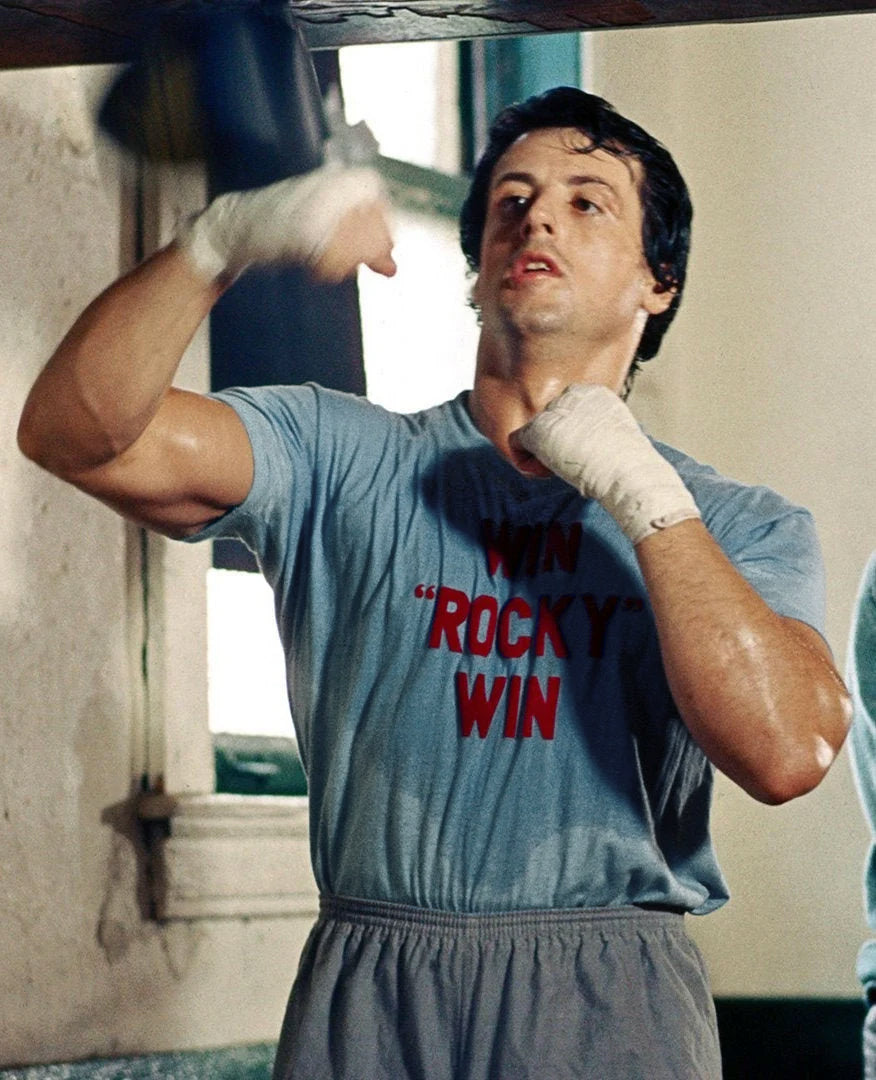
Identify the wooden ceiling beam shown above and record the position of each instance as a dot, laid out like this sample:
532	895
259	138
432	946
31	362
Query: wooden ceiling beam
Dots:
38	33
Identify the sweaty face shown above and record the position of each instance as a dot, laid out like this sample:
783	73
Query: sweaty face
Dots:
562	245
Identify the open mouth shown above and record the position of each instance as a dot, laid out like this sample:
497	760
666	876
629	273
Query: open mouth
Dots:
530	265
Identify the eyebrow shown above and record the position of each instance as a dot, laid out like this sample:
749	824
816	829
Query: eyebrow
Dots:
577	180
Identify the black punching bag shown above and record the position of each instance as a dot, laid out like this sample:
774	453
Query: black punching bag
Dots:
240	92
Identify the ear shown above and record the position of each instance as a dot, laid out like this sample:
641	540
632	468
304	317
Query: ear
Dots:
657	297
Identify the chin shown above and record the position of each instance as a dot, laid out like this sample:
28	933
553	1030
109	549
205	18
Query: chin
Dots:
538	320
546	322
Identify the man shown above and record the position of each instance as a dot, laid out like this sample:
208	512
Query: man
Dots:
862	746
519	633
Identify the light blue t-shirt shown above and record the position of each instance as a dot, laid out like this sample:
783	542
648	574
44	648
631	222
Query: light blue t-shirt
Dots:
861	679
473	667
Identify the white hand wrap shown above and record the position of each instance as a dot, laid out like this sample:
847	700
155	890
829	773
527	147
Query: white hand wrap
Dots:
291	221
590	438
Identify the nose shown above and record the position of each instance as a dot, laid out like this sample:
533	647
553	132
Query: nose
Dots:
539	218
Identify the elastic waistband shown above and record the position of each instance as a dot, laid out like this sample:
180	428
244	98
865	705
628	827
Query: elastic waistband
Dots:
378	913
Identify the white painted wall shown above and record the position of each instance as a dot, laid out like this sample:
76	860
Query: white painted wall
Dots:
83	973
770	375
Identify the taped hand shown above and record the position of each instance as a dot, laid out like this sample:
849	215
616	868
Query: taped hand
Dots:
590	438
330	220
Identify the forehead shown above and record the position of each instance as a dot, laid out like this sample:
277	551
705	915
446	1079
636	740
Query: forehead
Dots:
567	153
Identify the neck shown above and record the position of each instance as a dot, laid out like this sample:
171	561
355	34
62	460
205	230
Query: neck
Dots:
511	385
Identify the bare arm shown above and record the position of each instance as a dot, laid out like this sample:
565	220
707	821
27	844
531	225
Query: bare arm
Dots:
103	414
758	692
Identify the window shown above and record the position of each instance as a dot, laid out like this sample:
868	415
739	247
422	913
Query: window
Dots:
245	669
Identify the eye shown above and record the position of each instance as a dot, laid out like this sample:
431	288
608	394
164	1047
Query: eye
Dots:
585	205
512	207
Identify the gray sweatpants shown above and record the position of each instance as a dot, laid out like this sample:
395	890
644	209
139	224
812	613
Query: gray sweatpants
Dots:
389	992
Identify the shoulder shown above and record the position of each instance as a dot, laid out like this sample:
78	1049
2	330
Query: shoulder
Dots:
297	417
771	540
334	433
319	404
727	503
308	401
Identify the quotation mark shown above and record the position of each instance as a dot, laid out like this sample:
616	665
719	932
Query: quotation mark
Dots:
425	590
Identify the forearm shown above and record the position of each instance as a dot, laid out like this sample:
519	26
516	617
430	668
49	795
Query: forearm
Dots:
762	699
106	379
110	374
757	691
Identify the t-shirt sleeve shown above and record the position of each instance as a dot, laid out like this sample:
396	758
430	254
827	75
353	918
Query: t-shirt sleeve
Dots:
282	424
772	542
774	545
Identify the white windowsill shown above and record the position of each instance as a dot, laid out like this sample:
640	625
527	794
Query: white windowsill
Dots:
229	856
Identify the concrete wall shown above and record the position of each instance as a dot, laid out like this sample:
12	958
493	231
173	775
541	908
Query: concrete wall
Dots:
769	375
83	971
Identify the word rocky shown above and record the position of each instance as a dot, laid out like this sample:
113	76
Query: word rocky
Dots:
518	626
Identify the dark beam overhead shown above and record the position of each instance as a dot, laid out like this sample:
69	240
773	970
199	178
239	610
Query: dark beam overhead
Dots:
37	33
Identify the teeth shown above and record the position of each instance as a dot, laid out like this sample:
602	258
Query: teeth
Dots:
537	266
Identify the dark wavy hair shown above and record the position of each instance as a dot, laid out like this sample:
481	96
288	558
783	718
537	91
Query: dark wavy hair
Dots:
666	205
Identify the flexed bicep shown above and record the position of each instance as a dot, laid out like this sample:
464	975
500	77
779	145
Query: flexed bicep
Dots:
192	464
